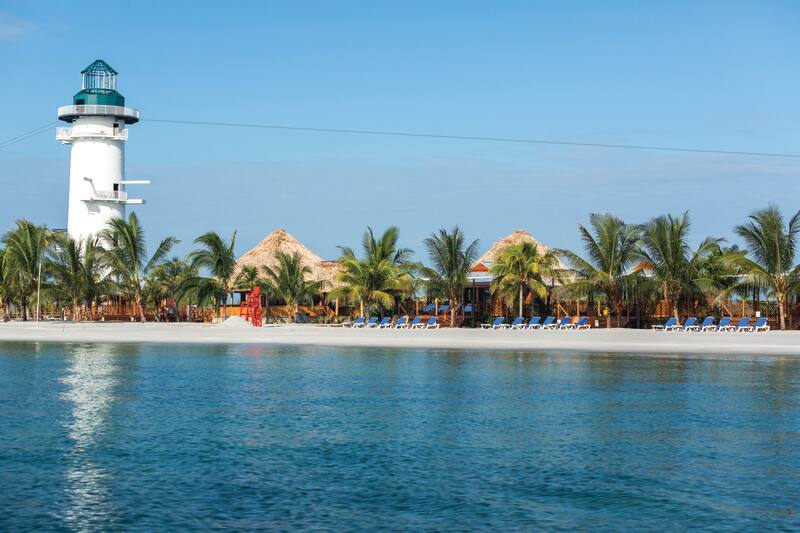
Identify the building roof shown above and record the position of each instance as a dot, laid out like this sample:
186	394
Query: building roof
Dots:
263	254
517	237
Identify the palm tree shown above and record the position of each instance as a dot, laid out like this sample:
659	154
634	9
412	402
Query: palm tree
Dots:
6	288
96	282
381	276
611	248
166	281
24	251
771	246
288	281
248	278
125	256
665	252
452	260
66	266
219	259
523	266
365	282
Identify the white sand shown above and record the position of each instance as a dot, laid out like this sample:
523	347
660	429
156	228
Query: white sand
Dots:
773	343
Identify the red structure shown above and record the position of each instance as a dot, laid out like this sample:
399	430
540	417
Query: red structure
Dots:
252	307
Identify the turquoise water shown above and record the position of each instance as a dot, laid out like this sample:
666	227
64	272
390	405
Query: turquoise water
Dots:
165	437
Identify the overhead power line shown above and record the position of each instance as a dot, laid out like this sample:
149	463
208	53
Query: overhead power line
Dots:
27	135
470	138
46	127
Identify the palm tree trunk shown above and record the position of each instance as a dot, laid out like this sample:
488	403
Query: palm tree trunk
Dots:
24	301
76	317
452	313
361	303
781	311
138	299
521	290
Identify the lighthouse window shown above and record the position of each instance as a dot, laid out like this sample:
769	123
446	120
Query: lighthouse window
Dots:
80	101
116	187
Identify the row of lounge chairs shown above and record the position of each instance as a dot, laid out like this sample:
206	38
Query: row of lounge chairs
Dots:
708	325
536	322
401	323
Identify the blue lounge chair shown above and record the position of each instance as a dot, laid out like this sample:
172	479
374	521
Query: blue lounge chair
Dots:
566	323
518	323
430	308
359	323
744	324
708	324
402	323
417	323
497	324
761	324
533	323
725	324
547	324
372	322
432	323
691	324
468	309
386	322
582	323
444	308
670	325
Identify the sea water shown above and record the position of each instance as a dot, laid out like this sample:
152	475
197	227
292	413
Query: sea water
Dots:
157	437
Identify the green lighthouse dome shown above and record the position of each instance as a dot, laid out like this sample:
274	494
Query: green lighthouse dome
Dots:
99	86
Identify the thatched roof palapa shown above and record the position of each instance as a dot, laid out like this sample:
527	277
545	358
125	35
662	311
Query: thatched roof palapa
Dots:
517	237
263	254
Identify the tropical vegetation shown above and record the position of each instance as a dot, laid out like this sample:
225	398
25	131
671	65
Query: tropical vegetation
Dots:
288	281
634	271
452	259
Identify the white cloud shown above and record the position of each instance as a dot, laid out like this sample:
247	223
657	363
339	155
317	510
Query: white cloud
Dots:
12	29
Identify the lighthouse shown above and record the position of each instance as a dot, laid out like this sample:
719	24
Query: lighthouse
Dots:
98	128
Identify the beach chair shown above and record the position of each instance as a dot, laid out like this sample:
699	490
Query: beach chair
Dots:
518	323
548	321
690	324
432	323
582	323
402	323
743	324
372	322
359	323
417	323
708	324
669	325
444	308
761	325
468	309
566	323
533	323
497	324
386	322
725	324
428	309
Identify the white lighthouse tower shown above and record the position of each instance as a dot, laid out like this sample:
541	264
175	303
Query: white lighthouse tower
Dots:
98	130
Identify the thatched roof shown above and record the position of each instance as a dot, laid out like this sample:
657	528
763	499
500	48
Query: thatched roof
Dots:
263	254
515	238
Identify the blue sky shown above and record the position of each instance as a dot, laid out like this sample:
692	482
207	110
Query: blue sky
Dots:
689	74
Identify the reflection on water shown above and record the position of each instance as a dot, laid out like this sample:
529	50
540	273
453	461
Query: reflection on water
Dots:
90	380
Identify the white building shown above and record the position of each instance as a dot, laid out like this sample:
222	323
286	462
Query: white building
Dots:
97	133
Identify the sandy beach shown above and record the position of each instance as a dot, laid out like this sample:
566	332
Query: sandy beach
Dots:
235	331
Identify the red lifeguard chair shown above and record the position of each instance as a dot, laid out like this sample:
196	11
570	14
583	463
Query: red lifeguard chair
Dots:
252	307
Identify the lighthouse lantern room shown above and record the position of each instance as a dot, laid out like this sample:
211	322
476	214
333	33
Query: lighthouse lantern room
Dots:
98	120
